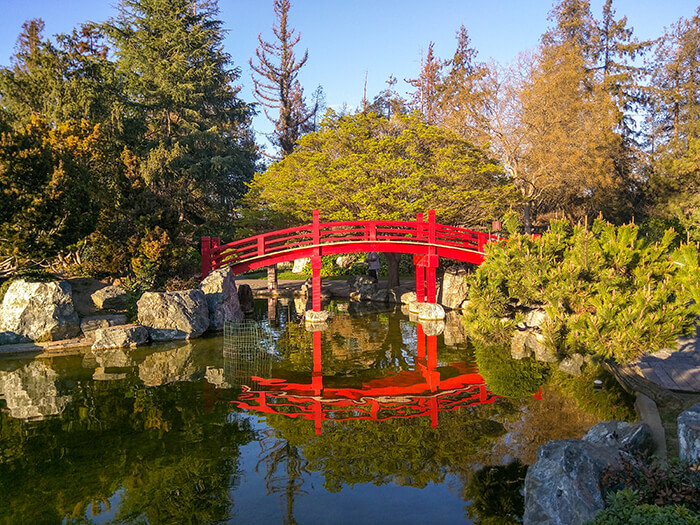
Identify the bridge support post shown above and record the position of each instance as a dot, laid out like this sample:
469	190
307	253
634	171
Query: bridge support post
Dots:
420	283
316	265
206	256
272	278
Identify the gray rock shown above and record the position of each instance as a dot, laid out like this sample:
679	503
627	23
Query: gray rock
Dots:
120	336
345	261
535	318
385	296
430	311
689	434
316	317
39	311
110	298
408	298
454	288
11	338
572	365
527	344
88	325
219	288
563	486
245	299
300	265
628	437
363	284
174	315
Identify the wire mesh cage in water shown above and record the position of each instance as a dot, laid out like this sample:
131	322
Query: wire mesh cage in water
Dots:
248	351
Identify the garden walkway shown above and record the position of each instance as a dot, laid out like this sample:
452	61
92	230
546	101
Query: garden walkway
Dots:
678	369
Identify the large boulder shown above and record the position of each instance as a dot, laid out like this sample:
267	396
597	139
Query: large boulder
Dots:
110	298
39	311
408	298
628	437
245	299
219	287
120	336
174	315
454	289
363	286
563	486
689	434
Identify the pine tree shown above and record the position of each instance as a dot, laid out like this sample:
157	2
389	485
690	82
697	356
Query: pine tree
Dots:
425	96
196	147
277	87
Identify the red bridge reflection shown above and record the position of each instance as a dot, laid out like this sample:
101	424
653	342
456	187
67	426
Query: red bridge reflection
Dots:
421	392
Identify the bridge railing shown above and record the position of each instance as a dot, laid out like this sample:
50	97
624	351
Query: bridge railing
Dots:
215	255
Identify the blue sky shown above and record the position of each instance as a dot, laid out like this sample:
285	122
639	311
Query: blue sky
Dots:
348	39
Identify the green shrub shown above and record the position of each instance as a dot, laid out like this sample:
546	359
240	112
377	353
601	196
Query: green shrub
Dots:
509	377
624	508
606	291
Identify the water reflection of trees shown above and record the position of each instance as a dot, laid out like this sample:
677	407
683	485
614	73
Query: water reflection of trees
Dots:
405	452
153	447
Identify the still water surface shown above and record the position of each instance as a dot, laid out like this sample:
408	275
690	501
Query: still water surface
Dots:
369	420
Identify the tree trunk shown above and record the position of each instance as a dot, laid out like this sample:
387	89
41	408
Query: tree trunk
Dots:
527	221
392	261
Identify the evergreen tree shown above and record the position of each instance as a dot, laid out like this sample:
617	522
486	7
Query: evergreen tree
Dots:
425	96
277	87
675	124
196	149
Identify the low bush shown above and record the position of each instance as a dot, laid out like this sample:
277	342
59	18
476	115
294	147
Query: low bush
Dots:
625	508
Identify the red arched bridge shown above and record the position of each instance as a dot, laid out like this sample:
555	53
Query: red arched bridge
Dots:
426	240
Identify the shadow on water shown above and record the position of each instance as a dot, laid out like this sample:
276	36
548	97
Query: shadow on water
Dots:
372	417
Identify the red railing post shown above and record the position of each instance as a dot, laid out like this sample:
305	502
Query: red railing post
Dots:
316	229
431	226
206	257
419	226
261	244
214	260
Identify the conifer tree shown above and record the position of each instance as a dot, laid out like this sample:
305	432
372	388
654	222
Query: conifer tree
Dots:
277	87
425	96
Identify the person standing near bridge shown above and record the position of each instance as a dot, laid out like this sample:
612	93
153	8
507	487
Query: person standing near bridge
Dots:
373	263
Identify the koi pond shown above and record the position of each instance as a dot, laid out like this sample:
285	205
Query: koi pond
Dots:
371	418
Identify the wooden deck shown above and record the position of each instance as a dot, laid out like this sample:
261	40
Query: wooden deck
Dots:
677	369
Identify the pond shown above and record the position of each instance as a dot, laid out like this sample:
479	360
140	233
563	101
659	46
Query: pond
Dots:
369	419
